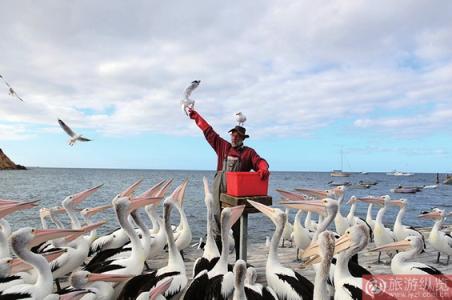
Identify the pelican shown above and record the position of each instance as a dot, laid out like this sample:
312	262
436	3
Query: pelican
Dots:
218	282
286	283
301	236
382	235
369	218
402	231
439	240
351	219
21	240
243	291
98	284
321	251
211	253
184	237
288	230
74	136
349	244
175	268
74	295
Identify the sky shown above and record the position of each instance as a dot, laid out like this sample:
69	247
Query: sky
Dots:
370	78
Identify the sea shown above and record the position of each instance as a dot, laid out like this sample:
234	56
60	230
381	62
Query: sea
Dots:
51	185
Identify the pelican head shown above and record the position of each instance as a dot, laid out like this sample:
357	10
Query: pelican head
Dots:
435	214
30	237
355	238
410	242
80	279
251	276
278	217
230	215
321	250
72	200
400	202
324	207
88	212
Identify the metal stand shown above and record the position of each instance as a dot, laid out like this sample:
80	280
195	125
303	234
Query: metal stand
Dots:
244	236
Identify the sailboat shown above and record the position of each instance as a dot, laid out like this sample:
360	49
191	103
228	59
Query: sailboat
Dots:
340	173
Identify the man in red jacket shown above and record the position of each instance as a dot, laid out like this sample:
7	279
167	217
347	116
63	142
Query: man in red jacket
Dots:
231	157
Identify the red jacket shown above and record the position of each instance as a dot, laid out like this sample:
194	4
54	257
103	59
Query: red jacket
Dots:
249	159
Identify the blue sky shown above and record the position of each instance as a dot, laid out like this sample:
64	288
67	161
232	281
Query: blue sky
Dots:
312	79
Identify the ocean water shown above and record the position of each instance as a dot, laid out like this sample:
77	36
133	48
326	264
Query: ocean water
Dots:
52	185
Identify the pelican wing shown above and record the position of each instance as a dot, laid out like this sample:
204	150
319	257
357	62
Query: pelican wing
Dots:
299	284
66	128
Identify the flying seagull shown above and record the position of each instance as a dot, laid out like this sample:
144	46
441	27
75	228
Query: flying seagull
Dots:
74	136
187	102
240	118
11	91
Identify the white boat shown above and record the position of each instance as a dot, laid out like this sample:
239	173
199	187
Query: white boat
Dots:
340	173
398	173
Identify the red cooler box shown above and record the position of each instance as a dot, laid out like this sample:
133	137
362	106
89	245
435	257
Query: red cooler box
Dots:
241	184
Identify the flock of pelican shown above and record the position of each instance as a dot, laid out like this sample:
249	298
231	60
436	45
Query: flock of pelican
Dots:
114	266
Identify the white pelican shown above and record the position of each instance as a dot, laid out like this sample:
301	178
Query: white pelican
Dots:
98	284
301	236
351	219
439	240
321	251
243	291
369	218
174	269
382	235
402	231
286	283
288	230
184	237
21	240
74	136
218	282
211	253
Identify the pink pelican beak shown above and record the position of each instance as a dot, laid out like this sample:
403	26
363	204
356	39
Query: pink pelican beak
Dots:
10	208
154	191
178	194
43	235
290	195
81	196
6	201
266	210
75	295
236	212
88	212
374	200
160	289
140	202
313	193
402	245
108	277
164	188
312	254
315	206
128	192
399	203
85	229
352	200
433	215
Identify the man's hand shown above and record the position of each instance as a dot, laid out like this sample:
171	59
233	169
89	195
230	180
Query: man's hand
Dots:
263	173
198	119
192	114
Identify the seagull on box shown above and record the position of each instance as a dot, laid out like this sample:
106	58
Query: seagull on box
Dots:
12	92
74	136
187	102
241	118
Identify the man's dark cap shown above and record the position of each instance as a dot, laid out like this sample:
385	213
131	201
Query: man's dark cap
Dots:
240	130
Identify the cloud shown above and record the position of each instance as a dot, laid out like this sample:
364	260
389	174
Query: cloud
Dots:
14	133
291	67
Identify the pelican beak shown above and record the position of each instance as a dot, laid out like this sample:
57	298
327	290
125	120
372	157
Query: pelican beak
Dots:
108	277
164	188
160	289
58	210
374	200
290	195
236	212
313	193
153	190
6	202
92	211
398	203
85	229
266	210
315	206
433	215
75	295
352	200
50	256
128	192
80	197
43	235
343	243
178	194
312	253
140	202
8	209
402	245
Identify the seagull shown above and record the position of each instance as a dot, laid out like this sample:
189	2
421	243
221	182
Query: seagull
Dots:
11	91
187	102
74	136
241	118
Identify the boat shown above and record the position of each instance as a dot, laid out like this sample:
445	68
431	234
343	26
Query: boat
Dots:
334	183
404	190
399	173
448	180
340	173
360	186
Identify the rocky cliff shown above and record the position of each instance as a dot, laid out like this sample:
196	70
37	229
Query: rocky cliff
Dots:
8	164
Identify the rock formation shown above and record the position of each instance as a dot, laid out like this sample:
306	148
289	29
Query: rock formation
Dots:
8	164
